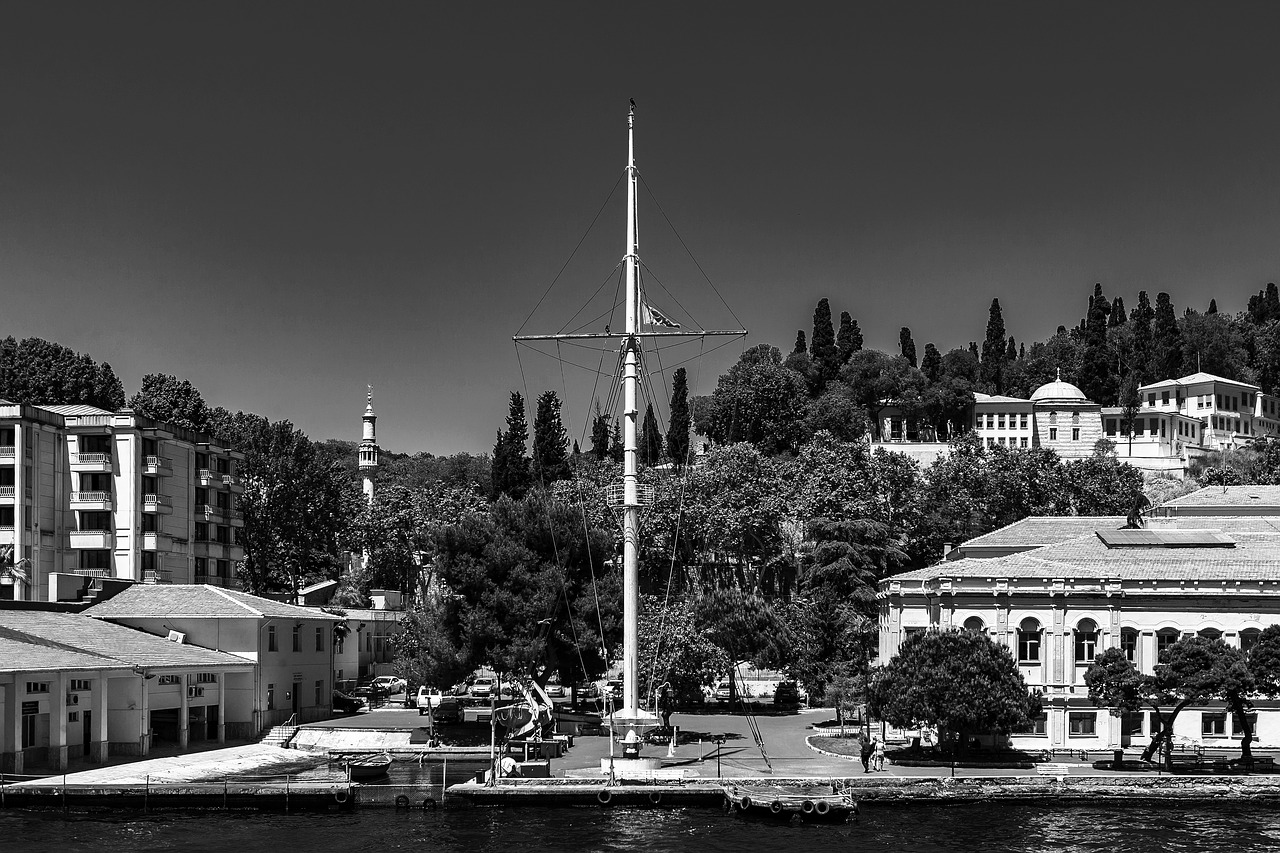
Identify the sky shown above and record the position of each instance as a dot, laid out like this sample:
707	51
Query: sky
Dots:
285	202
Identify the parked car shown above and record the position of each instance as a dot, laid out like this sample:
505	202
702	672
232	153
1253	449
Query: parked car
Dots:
554	691
613	688
483	687
447	710
723	692
428	697
390	683
588	690
344	704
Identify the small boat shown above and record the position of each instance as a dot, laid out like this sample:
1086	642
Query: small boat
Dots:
783	802
369	768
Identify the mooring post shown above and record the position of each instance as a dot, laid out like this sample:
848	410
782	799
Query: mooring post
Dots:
224	795
444	778
146	792
286	794
64	792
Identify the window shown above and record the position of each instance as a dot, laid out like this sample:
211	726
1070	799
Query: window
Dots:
1210	633
1213	724
1029	641
169	679
319	639
1086	641
271	697
95	521
297	638
222	465
1075	433
223	500
224	568
1083	723
1000	421
202	460
1237	725
1249	638
202	568
991	442
224	534
73	717
1038	723
202	497
1022	442
206	678
975	624
1139	425
319	692
1053	433
1111	426
991	421
148	523
79	684
37	687
1151	399
202	531
1132	724
29	712
149	486
1022	421
271	638
149	561
1129	644
1164	398
1165	638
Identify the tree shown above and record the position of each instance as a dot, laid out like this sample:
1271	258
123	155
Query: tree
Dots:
682	653
1118	316
650	438
993	350
1140	319
511	474
678	429
837	412
1095	374
849	338
962	682
1166	341
1213	306
600	434
39	372
616	448
878	380
759	401
931	364
1130	405
550	441
746	626
907	346
177	402
822	346
801	344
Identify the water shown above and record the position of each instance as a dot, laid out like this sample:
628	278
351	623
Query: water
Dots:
971	828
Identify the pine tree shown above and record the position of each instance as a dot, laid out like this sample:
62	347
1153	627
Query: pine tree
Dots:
511	475
599	434
678	430
931	364
822	346
650	438
550	441
615	443
993	350
849	338
907	346
801	344
1140	319
1166	341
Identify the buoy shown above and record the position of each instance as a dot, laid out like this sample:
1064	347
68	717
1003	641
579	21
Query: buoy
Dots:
776	807
428	804
339	794
822	807
807	806
746	803
604	797
402	801
655	797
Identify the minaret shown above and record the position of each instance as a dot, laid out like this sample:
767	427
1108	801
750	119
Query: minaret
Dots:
369	449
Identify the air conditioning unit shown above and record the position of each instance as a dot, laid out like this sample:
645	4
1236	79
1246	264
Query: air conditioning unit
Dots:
73	698
199	691
191	692
177	637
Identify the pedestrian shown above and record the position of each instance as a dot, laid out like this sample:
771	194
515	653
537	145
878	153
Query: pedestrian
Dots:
877	755
664	705
866	752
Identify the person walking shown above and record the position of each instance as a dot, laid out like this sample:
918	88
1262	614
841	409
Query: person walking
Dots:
877	754
866	752
664	705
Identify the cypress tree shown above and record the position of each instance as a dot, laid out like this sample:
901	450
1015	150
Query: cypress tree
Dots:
973	350
1166	341
1011	354
615	443
511	475
1095	376
678	429
1022	351
1272	301
650	438
801	344
993	350
599	434
550	441
1118	315
849	338
907	346
1140	319
1213	307
822	346
931	364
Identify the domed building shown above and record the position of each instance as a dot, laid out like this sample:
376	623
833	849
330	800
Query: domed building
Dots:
1058	416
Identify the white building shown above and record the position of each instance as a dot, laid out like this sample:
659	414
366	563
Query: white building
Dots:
86	493
1057	606
1230	414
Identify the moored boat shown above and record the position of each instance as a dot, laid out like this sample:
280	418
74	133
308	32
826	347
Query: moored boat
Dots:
368	768
784	802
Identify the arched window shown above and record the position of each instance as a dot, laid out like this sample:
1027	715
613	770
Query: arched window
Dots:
1129	644
1086	641
1210	633
1029	641
1165	638
1249	638
975	624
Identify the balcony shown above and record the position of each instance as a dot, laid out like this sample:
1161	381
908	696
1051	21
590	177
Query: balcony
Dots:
156	503
156	465
95	540
157	576
91	500
7	453
7	494
212	513
91	463
150	540
207	477
92	573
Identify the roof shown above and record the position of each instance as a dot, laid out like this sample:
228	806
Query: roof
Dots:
1256	557
1197	378
1228	496
1165	538
23	652
67	637
996	398
1058	390
197	601
1046	530
76	409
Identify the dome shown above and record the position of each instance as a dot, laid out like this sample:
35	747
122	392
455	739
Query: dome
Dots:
1058	390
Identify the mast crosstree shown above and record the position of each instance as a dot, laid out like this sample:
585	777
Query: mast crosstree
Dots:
631	719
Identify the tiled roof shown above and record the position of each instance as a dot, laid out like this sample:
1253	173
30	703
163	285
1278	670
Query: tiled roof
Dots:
1230	524
1256	557
116	645
22	652
188	601
75	409
1196	378
1229	496
997	398
1045	530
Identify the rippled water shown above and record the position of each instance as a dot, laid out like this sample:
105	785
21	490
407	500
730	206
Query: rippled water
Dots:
970	828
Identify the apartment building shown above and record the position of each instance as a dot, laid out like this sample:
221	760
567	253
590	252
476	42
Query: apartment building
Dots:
1228	413
89	493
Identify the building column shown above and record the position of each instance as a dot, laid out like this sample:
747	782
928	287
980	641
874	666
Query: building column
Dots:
144	718
222	706
1147	652
98	737
11	739
184	714
58	723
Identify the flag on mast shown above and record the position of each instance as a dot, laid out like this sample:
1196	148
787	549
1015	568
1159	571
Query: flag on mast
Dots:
650	316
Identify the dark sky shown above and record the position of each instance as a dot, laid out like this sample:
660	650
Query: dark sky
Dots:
283	202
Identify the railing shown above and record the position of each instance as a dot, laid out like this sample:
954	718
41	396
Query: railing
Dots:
7	491
92	573
214	511
157	576
205	475
90	497
91	458
7	450
156	500
157	462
